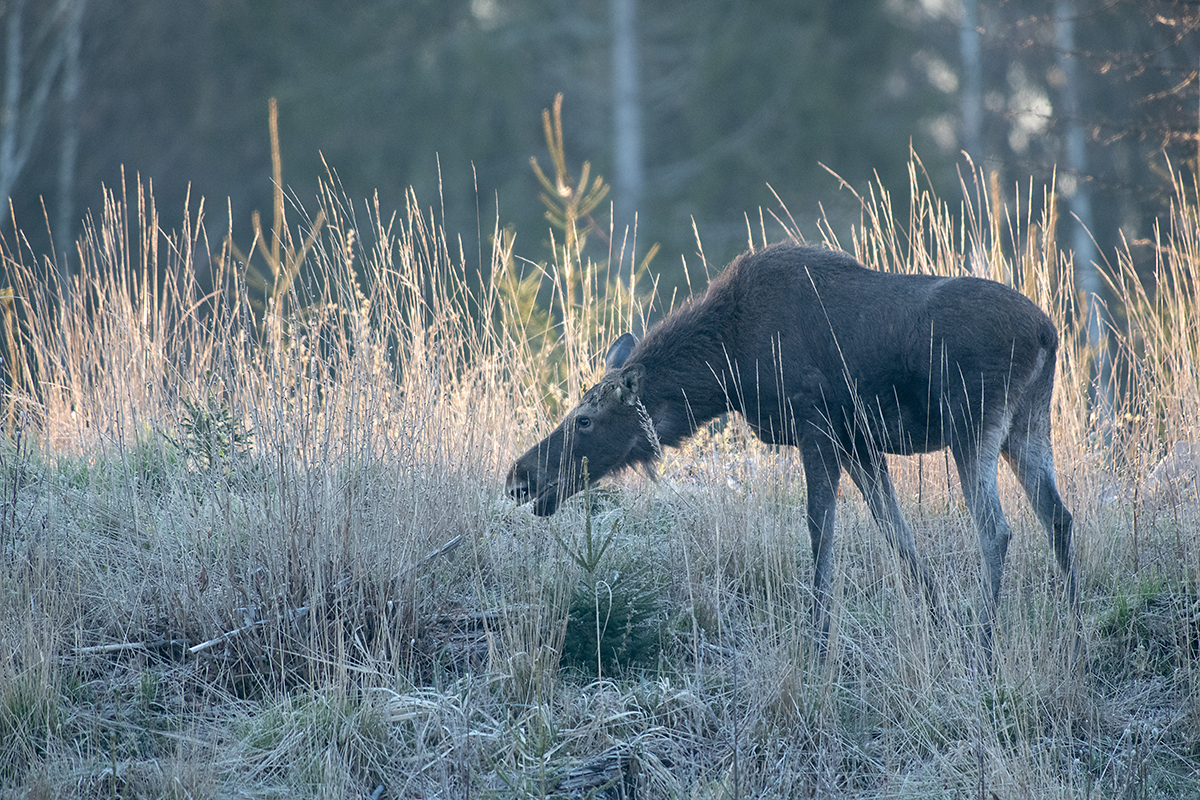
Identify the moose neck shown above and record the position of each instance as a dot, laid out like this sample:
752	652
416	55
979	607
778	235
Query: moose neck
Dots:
686	358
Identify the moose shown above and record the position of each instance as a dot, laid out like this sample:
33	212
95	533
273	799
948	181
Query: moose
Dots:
848	364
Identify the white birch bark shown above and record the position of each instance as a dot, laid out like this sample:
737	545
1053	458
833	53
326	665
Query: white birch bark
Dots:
69	152
21	116
972	92
1087	274
628	174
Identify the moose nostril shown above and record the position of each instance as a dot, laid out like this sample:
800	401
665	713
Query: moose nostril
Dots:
518	488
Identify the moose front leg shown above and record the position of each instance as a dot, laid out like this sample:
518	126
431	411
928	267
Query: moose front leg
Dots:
822	471
870	474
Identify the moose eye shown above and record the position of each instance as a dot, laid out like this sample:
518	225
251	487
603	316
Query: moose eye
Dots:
583	422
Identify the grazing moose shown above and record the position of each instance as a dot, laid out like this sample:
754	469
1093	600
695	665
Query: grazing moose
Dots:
848	364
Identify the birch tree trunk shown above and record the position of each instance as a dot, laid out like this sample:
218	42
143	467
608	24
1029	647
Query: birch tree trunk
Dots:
1087	275
971	111
972	91
21	116
69	154
627	115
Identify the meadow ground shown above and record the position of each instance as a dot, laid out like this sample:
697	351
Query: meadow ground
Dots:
263	550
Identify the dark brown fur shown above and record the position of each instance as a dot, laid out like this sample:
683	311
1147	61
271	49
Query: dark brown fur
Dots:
847	364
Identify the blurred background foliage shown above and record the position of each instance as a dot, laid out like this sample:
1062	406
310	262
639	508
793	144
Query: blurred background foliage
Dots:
723	103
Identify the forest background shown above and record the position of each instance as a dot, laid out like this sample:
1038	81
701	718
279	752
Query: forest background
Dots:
253	537
694	111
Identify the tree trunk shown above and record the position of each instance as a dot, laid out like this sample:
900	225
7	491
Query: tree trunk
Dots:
627	114
21	118
11	114
972	91
1087	274
64	227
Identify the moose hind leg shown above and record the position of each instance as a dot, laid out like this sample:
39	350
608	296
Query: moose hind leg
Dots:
1029	454
1031	459
872	478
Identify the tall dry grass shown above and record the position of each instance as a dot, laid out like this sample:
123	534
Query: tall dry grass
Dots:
264	551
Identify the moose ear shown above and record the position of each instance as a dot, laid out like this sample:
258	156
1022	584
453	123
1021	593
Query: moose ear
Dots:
619	351
629	384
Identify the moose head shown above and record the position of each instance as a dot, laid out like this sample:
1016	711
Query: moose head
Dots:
608	430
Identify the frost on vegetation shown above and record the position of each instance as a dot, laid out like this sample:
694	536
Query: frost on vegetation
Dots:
237	561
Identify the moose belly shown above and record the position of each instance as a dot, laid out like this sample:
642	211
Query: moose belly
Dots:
899	430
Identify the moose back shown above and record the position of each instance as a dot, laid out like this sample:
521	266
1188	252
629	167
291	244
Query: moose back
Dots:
847	364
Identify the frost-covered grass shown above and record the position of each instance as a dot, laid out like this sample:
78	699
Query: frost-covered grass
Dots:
257	554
